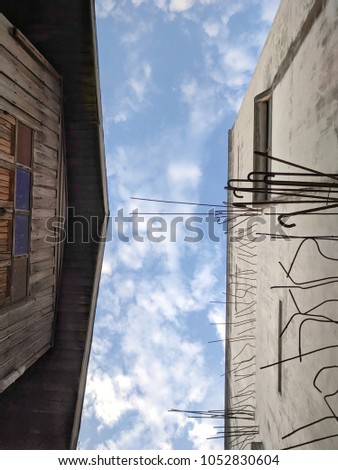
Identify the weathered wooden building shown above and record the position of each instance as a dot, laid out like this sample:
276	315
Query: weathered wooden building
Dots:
53	213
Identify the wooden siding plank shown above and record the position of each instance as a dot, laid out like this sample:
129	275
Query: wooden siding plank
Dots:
44	203
44	181
47	193
24	323
39	224
42	171
42	233
42	265
42	255
21	114
23	77
23	352
20	98
16	342
37	276
48	138
39	213
41	284
22	56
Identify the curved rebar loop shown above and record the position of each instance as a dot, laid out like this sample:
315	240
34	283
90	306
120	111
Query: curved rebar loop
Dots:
305	240
323	279
295	165
272	174
324	320
307	312
240	352
309	186
288	192
320	391
281	217
318	374
328	404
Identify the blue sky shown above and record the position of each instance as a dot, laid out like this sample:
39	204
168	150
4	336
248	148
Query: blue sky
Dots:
173	73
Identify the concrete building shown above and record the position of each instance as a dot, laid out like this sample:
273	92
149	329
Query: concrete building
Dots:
282	257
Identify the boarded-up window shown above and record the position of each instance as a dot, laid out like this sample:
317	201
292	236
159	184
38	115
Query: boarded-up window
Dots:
24	145
16	141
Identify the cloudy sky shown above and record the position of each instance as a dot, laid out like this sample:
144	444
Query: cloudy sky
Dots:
173	73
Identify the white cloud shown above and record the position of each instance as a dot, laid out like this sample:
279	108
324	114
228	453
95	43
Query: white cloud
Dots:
206	107
158	357
239	59
184	174
132	97
140	31
203	283
200	432
108	397
212	29
104	7
180	5
137	3
162	4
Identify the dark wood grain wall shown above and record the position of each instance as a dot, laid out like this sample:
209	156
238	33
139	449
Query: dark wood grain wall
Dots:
30	96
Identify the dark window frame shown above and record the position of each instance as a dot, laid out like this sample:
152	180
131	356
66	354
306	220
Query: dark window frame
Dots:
13	296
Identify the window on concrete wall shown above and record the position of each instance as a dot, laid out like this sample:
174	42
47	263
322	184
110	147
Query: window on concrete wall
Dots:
262	143
16	149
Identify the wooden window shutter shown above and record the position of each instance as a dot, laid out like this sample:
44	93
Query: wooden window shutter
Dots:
7	137
24	145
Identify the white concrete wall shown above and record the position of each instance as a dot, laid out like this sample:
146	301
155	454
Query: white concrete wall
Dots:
304	131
